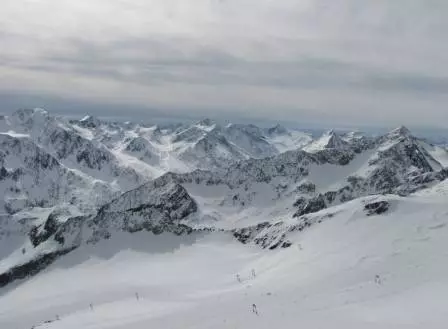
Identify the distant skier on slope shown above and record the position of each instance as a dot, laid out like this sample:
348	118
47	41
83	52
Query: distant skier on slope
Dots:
378	279
253	274
238	278
254	309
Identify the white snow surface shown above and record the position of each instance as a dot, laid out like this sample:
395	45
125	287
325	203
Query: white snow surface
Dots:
290	141
438	153
325	280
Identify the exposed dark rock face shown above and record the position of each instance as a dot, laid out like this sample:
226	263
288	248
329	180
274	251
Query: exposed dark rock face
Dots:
306	188
245	235
89	122
30	268
50	227
376	208
275	235
3	173
266	235
306	206
151	207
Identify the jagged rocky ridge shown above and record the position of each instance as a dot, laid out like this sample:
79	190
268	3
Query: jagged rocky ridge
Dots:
152	207
116	157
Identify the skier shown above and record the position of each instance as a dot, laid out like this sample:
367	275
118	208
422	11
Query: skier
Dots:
238	278
253	273
254	309
137	296
377	279
91	307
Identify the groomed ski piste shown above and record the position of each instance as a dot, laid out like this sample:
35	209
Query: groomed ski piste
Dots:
350	271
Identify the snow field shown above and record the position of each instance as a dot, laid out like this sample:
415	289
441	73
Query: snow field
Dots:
190	282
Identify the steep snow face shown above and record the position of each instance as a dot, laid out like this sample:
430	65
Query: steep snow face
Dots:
329	140
207	145
287	140
412	154
346	270
143	149
59	139
251	139
31	177
438	153
212	151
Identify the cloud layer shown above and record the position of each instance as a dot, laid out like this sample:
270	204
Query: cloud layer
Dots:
330	61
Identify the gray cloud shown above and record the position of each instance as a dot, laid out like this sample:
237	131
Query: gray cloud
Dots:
315	60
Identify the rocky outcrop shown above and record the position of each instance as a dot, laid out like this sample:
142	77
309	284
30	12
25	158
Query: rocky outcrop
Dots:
30	268
376	208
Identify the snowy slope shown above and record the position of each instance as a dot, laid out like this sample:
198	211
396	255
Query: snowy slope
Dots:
326	279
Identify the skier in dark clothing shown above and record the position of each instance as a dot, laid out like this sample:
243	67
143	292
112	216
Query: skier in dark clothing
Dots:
377	279
254	309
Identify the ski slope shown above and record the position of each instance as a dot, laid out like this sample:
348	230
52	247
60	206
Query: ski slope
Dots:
326	279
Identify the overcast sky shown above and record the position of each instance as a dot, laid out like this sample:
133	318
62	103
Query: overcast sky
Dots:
333	62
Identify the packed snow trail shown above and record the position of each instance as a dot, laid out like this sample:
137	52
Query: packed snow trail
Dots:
191	282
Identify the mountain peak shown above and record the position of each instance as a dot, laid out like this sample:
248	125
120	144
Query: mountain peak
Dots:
206	122
30	117
24	114
334	141
330	132
90	121
329	140
401	131
278	129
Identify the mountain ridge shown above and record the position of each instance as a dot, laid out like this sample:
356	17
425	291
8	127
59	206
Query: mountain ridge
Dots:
248	190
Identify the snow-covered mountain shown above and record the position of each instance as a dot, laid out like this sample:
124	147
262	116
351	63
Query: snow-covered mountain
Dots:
72	185
201	145
31	177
